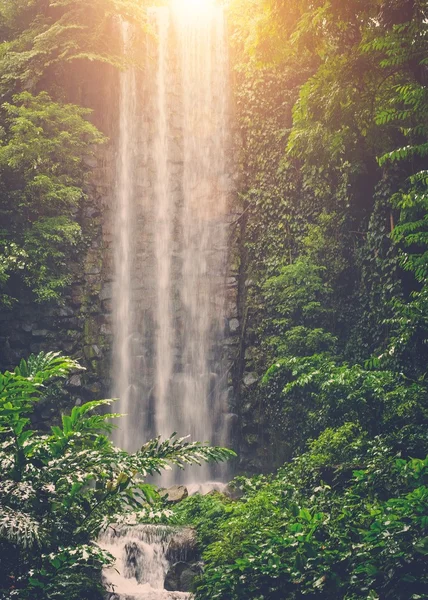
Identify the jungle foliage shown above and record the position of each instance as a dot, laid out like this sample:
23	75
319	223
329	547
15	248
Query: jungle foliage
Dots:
43	170
347	519
332	105
46	142
58	490
332	108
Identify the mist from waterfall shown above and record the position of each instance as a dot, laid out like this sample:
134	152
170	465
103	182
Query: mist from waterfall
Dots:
173	189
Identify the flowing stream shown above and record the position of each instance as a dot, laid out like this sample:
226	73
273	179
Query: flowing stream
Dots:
174	181
143	554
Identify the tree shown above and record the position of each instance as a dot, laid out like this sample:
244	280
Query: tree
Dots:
44	35
43	167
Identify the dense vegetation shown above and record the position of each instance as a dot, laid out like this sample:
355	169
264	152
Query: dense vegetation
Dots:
46	49
58	490
332	106
347	519
332	109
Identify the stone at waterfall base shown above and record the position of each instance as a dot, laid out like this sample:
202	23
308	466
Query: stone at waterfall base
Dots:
183	547
174	494
181	576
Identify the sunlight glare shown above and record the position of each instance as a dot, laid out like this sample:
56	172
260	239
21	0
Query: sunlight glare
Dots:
195	7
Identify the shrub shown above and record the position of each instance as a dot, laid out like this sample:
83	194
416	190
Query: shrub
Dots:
59	490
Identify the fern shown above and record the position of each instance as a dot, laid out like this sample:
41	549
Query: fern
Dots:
46	366
58	490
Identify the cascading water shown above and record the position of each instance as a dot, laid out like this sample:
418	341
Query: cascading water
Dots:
174	184
144	554
122	291
202	52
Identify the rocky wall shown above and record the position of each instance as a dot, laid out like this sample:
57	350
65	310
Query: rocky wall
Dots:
81	325
78	326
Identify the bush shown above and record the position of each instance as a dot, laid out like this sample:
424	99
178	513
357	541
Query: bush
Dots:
59	490
319	529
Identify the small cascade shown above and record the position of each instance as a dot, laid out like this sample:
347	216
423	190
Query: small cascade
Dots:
144	556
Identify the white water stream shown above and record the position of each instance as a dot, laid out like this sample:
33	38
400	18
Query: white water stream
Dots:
143	556
123	240
174	181
173	187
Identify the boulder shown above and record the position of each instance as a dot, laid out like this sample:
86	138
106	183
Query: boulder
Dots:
175	494
232	492
66	311
250	379
181	576
233	325
106	292
133	562
75	381
183	546
40	332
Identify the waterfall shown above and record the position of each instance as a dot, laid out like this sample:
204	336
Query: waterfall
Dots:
122	292
203	59
144	554
174	184
164	224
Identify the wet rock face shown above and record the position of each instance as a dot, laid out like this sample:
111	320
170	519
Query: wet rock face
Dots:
134	561
183	547
181	576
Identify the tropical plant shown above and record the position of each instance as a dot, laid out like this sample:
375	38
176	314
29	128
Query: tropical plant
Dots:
43	168
58	490
345	520
317	392
41	38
